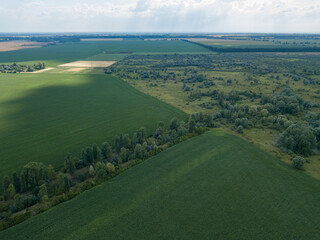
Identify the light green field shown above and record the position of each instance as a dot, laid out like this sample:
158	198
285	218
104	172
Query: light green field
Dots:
215	186
106	57
44	116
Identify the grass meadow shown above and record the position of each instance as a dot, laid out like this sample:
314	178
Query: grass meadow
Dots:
44	116
215	186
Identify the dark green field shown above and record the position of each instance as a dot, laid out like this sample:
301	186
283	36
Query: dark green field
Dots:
216	186
68	52
44	116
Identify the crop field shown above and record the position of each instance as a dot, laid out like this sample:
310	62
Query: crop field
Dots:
106	57
68	52
264	43
215	185
89	64
44	116
16	45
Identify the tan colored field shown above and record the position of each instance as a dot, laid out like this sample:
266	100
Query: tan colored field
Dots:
100	39
16	45
42	70
88	64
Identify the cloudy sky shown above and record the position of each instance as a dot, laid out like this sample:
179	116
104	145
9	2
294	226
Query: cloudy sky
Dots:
160	16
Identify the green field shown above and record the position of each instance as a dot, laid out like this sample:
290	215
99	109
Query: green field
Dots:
61	53
44	116
106	57
260	44
215	186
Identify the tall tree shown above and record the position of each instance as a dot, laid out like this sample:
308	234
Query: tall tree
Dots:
117	143
43	194
101	170
69	164
89	156
6	182
32	174
174	124
126	141
10	192
51	173
16	182
96	152
106	150
124	154
141	135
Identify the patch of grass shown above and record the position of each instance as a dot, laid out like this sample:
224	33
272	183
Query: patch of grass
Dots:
212	185
44	116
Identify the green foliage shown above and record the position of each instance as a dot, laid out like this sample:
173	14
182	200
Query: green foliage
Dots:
6	182
101	170
195	175
69	164
240	129
110	168
89	156
19	202
192	125
10	192
142	135
16	182
138	151
298	162
174	124
96	152
33	174
51	173
91	171
106	150
299	139
43	194
124	154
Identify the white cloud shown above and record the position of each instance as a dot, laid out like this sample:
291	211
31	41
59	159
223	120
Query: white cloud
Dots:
161	15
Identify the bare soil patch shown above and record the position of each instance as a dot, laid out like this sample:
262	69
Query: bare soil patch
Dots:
42	70
88	64
16	45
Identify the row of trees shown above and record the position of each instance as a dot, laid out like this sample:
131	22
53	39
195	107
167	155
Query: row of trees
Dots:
42	184
16	68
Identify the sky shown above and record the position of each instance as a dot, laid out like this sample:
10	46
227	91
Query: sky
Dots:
275	16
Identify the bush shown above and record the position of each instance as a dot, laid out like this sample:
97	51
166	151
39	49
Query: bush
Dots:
240	129
298	162
299	139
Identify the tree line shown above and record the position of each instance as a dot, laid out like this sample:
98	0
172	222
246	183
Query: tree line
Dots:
38	187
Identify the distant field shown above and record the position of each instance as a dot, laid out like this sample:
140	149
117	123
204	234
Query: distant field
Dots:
100	39
89	64
216	186
16	45
69	52
44	116
251	44
106	57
